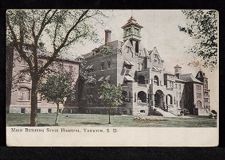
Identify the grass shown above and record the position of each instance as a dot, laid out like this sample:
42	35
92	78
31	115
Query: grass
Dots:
16	119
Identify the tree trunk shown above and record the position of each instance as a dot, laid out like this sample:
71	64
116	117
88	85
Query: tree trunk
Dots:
57	114
33	115
109	114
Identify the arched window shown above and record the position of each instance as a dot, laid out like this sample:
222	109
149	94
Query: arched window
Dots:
156	80
142	97
24	94
199	104
169	99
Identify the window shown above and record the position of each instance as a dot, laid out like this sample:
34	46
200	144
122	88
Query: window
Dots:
198	87
49	110
135	97
109	64
136	31
179	86
60	65
142	111
199	104
39	98
199	95
40	62
70	69
141	79
137	47
156	80
24	94
128	31
38	110
170	84
139	66
124	96
175	85
102	66
206	84
23	110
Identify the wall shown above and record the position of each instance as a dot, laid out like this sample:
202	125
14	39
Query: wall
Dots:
17	105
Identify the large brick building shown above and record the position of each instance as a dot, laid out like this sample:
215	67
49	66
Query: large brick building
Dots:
18	90
147	87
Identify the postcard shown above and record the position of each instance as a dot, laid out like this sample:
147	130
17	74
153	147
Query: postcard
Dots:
84	77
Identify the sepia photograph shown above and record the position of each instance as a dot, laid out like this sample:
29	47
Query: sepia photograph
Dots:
88	77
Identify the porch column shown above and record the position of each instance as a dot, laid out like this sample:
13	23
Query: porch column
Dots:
153	99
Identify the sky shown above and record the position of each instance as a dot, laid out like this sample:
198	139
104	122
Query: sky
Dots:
160	29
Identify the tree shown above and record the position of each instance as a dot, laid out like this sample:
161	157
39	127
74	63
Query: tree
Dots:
202	26
56	88
111	95
27	30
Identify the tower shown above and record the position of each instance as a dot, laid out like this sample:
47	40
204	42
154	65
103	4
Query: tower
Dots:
177	70
132	32
202	77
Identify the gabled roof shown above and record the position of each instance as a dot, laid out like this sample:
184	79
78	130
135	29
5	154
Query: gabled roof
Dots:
132	21
177	66
189	78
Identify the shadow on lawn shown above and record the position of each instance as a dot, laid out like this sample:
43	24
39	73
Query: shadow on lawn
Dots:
92	123
39	125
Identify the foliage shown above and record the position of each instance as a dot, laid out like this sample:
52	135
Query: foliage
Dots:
202	26
111	95
57	87
28	30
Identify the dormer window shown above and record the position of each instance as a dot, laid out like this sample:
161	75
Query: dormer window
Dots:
102	66
128	64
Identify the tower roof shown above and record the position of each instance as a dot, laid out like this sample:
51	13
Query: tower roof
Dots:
132	21
177	66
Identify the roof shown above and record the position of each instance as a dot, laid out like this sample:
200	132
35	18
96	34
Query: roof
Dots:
128	78
90	80
189	78
101	79
107	77
169	73
177	66
132	21
179	80
126	62
113	45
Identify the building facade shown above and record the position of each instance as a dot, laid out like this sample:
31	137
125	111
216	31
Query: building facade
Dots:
148	88
18	91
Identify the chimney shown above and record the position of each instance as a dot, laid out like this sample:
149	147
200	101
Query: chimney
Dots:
107	36
177	70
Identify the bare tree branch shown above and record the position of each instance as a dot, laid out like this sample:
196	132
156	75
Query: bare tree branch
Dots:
44	23
55	53
15	43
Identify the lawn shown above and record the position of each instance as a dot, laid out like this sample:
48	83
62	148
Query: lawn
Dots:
14	119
